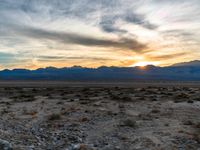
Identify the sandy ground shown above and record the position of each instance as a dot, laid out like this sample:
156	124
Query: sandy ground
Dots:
100	118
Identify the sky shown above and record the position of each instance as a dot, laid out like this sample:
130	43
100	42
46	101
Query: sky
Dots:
93	33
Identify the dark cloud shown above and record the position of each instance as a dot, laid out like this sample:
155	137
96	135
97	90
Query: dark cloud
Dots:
167	57
139	19
64	58
72	38
108	22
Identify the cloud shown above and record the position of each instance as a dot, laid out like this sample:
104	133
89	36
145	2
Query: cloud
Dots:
64	58
108	22
107	25
182	35
6	58
139	19
105	13
121	27
166	57
72	38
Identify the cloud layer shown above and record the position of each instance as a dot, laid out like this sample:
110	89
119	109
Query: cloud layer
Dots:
97	32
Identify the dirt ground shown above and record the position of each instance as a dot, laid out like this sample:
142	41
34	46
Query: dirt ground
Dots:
100	118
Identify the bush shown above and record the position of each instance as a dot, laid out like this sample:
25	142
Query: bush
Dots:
54	117
129	123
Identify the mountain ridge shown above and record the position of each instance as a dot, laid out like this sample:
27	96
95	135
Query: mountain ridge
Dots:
190	63
189	71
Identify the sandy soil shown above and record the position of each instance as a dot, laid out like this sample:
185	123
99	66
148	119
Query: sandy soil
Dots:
100	118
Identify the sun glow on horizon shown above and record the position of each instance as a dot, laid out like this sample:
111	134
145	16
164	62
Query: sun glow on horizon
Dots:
143	64
142	61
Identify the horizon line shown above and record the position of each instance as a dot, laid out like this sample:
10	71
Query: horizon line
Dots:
77	66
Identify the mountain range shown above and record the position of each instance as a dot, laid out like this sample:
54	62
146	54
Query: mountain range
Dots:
187	71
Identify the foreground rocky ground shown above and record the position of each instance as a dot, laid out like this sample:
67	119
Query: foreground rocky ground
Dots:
106	118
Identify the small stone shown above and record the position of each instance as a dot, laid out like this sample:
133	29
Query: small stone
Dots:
5	145
31	147
117	148
78	147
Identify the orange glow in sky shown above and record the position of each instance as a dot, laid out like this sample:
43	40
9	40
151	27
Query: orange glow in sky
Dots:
142	64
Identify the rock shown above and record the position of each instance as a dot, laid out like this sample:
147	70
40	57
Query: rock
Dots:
31	147
79	147
5	145
117	148
97	104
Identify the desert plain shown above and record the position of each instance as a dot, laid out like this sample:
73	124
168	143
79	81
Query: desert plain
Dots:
92	116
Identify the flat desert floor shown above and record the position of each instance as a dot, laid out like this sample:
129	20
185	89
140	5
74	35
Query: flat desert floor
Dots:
99	117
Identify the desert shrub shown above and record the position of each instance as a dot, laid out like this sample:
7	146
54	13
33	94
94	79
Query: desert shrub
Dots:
154	99
54	117
178	101
166	124
32	112
34	90
129	123
126	98
196	137
190	101
60	103
188	123
182	96
155	111
24	98
8	89
84	119
85	89
145	116
114	97
64	98
4	111
197	125
49	89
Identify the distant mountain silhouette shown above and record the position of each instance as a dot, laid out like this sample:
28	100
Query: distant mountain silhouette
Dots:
189	71
191	63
